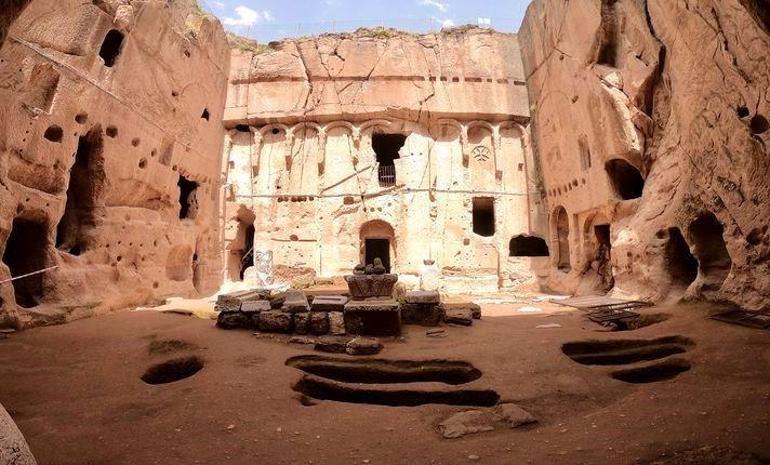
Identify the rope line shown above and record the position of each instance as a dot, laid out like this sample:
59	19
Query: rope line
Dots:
45	270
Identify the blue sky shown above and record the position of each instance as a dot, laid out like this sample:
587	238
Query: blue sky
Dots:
267	20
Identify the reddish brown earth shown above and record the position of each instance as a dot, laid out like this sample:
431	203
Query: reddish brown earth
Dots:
76	394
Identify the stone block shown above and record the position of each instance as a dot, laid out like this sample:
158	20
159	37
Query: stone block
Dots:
422	314
233	320
255	306
296	302
423	297
329	303
378	317
332	344
474	308
275	321
302	323
319	323
459	316
363	346
336	323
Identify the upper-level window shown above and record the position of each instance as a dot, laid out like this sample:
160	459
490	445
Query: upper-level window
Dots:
386	148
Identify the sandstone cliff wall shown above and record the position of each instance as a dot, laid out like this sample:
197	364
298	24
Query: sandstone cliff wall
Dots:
650	117
110	148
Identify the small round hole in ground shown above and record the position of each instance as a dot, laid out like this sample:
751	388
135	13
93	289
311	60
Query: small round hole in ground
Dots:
111	131
661	371
743	112
173	370
81	118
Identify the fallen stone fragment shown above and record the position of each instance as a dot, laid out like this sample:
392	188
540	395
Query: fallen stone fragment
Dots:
422	314
332	344
302	340
548	326
423	297
336	323
296	302
13	447
470	422
275	321
473	307
516	416
435	333
233	320
462	317
363	346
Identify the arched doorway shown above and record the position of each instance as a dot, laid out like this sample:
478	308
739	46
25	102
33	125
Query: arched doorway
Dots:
377	241
241	247
560	227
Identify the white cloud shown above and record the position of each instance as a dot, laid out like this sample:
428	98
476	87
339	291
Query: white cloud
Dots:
442	6
446	22
219	5
248	17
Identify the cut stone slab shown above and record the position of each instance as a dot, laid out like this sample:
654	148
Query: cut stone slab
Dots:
296	302
474	308
375	317
364	346
275	321
329	303
255	306
336	323
470	422
516	416
422	314
233	320
319	323
461	316
302	323
332	344
423	297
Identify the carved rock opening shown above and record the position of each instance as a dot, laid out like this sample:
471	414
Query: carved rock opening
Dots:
710	248
484	216
527	246
188	198
26	252
626	180
111	47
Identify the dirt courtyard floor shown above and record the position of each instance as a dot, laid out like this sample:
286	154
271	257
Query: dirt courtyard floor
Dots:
75	392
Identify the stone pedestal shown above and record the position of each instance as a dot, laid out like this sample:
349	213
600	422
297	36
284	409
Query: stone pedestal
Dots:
363	286
373	317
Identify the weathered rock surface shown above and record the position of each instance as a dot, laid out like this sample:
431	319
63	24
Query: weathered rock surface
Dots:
516	416
234	320
651	122
336	323
302	323
463	423
111	150
459	316
422	314
295	302
329	303
13	447
422	297
333	344
319	323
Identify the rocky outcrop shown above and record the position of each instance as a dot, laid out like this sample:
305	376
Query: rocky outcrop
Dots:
110	145
650	126
13	447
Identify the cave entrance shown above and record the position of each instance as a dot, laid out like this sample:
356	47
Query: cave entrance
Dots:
603	256
247	257
682	266
484	216
386	148
626	180
377	241
377	248
86	184
26	252
561	226
188	198
527	246
710	249
111	47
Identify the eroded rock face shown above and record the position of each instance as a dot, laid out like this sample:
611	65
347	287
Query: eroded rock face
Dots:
110	147
650	125
13	447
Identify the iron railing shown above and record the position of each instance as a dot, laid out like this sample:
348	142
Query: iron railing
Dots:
386	175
